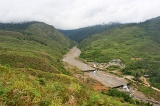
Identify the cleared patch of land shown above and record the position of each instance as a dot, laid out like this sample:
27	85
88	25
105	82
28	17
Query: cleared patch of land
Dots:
106	79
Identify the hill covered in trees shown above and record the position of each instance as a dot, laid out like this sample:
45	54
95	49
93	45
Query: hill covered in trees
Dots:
82	33
137	45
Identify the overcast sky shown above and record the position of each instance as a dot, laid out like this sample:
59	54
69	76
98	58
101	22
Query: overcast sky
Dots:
71	14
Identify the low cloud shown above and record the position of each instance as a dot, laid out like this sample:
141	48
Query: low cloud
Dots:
71	14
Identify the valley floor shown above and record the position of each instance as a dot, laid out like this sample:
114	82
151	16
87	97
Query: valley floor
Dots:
107	79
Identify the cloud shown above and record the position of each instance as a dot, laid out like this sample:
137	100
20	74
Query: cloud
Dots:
70	14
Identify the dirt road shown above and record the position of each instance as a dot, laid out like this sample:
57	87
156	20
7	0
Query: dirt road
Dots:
106	79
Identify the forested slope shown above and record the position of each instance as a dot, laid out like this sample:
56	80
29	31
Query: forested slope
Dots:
137	45
82	33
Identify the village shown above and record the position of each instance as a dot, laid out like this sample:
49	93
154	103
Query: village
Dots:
102	66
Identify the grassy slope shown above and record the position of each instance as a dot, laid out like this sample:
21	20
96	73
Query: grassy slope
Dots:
130	41
34	87
31	71
39	46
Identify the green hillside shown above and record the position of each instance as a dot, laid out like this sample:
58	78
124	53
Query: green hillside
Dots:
29	87
82	33
32	73
137	45
34	45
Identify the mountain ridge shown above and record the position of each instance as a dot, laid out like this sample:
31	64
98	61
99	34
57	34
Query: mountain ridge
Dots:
82	33
24	35
133	40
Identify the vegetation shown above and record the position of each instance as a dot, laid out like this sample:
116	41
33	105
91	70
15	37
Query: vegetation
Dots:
137	45
82	33
32	73
124	97
111	68
35	45
148	91
30	87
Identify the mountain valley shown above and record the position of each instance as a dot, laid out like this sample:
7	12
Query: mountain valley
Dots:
33	70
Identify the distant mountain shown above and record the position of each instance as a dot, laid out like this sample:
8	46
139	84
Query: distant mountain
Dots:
128	43
82	33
